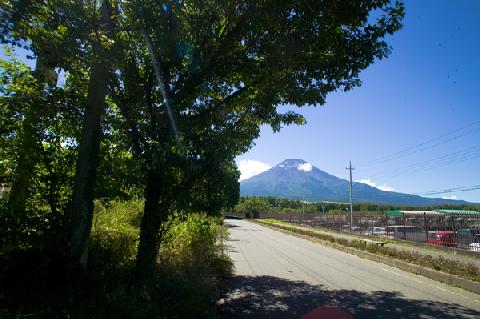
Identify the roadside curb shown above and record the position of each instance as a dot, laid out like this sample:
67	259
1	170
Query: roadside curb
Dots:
449	279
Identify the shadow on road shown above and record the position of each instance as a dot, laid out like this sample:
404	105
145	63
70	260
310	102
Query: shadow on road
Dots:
230	225
272	297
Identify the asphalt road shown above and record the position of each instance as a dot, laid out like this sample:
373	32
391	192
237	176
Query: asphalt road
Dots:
283	276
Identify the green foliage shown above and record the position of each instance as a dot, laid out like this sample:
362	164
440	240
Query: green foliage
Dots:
251	207
196	243
18	90
192	260
224	68
26	111
124	216
114	238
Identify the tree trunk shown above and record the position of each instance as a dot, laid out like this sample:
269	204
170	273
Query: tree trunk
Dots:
27	155
81	206
27	159
149	232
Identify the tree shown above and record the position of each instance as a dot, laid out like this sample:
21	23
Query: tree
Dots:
221	70
68	35
185	87
81	206
17	29
22	99
253	206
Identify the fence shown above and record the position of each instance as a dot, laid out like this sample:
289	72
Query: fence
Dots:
448	228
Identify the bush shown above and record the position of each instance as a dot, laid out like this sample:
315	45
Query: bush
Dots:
195	244
36	229
114	238
192	260
122	216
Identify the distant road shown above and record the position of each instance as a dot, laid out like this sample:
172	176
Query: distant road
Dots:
282	276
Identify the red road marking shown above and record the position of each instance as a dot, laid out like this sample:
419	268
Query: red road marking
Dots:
327	312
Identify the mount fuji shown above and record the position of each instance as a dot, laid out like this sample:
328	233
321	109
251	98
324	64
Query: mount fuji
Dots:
300	180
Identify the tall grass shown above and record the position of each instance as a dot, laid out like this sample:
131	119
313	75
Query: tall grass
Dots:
191	263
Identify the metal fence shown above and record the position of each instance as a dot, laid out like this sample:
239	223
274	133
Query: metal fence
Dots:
459	230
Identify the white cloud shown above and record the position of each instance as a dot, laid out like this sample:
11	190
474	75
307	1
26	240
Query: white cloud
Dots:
307	167
249	168
450	197
383	187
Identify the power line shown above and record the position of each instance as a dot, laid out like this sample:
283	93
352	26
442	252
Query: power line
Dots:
398	195
450	190
444	160
437	165
434	163
425	145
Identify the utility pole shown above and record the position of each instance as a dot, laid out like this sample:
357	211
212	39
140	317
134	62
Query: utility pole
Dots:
303	211
351	205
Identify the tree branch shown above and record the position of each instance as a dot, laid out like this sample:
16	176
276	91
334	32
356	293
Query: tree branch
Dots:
123	105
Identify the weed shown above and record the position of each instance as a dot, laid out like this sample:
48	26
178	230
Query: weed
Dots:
192	260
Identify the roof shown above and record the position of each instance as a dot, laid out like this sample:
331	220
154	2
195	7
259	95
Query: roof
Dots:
434	212
442	232
394	213
457	211
411	212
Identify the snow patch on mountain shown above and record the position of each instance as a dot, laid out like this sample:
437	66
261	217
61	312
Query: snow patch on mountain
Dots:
306	167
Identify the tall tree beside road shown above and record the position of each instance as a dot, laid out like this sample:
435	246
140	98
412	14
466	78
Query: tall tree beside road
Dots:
81	206
17	31
185	87
65	35
223	68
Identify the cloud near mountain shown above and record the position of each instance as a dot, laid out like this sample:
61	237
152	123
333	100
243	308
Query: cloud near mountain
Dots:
249	168
383	187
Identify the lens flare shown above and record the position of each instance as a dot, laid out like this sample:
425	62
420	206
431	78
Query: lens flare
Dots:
161	85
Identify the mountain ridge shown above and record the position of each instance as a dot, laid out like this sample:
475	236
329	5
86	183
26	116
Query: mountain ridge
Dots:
300	180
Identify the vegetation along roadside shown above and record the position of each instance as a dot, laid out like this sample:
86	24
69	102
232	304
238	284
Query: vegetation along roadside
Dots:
190	265
462	269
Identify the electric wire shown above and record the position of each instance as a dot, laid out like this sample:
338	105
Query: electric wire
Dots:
439	140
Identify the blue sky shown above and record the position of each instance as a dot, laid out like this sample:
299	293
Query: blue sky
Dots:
423	101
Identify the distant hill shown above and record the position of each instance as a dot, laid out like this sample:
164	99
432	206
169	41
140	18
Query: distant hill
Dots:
298	179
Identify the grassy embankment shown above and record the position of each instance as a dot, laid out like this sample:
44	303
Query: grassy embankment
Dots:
462	269
191	263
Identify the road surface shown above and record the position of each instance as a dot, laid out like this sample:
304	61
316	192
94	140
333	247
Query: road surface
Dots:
283	276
